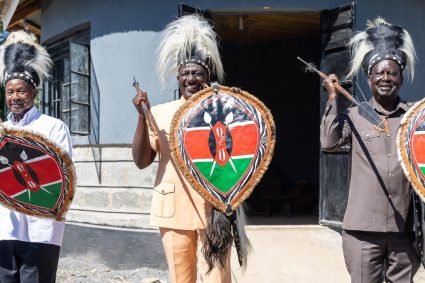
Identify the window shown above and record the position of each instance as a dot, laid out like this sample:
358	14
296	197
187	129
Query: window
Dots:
67	95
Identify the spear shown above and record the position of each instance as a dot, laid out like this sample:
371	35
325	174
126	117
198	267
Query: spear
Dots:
147	112
342	90
364	108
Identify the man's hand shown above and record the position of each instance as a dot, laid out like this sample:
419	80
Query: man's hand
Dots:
140	99
330	87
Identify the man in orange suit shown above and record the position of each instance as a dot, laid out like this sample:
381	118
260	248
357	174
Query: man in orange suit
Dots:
177	209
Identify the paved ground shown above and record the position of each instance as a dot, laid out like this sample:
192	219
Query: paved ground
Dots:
282	253
297	254
294	254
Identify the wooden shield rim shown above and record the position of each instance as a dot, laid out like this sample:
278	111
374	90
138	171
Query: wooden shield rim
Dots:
259	172
402	139
59	213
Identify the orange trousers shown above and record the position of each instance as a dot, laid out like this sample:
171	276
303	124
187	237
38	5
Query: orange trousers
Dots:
186	262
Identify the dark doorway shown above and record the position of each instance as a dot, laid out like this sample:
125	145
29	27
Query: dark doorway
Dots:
259	53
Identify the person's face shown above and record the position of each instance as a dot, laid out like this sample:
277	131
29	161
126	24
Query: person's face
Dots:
385	80
20	97
191	78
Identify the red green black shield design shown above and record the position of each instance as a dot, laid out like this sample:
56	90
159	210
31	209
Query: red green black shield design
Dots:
411	146
36	177
223	142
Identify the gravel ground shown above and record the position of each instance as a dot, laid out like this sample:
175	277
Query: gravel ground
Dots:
79	270
93	254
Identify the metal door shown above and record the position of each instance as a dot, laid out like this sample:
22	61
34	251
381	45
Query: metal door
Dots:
336	30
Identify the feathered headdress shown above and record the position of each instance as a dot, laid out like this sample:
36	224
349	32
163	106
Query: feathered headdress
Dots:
21	57
189	39
382	41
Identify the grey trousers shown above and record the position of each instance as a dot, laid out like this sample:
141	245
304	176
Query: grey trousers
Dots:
372	257
24	262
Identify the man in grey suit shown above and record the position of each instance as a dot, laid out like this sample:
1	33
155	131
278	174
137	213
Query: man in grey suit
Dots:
378	232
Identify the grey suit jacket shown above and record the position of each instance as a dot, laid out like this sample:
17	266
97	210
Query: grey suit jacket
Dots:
380	196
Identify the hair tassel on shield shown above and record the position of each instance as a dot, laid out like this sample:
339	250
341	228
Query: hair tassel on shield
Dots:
222	231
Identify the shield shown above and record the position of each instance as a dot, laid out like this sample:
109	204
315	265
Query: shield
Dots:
223	141
36	176
411	146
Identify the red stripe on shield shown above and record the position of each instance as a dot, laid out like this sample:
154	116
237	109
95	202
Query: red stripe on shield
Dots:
9	185
245	139
47	171
418	148
196	143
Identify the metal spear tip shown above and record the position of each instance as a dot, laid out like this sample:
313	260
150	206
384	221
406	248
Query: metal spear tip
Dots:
299	58
135	83
310	67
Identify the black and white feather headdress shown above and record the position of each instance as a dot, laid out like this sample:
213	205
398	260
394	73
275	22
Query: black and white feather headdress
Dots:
21	57
382	41
189	39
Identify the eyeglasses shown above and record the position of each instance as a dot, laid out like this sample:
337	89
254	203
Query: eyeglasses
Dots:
199	75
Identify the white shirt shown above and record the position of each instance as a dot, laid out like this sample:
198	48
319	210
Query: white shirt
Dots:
18	226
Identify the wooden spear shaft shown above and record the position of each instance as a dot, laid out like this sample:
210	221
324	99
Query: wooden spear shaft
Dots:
337	85
148	113
381	126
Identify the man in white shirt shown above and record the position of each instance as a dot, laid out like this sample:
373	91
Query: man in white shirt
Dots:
29	245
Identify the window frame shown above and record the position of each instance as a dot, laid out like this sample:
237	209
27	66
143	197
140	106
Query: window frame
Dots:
52	101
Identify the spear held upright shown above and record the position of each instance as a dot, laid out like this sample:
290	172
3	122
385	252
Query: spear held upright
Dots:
364	108
148	114
337	85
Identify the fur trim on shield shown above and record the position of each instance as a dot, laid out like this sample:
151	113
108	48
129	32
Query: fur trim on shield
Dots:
68	169
403	137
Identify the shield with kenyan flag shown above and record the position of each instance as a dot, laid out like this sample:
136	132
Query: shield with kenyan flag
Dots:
223	141
411	146
36	176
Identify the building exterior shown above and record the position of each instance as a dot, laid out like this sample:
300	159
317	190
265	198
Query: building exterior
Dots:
99	46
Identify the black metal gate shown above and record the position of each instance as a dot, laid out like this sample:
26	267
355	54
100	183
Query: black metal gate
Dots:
336	30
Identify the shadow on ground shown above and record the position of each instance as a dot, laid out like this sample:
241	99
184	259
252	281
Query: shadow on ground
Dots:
116	249
128	249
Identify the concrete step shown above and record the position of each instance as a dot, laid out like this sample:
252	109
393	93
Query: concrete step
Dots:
111	190
113	199
110	219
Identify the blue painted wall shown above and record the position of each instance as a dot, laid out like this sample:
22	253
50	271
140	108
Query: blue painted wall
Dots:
124	36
